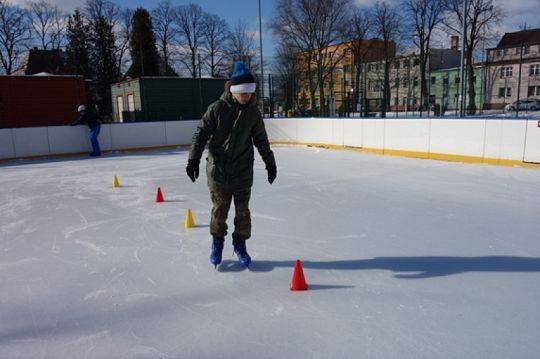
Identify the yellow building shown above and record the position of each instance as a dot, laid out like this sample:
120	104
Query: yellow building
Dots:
343	75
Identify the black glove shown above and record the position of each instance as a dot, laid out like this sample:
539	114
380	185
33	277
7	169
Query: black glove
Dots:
192	169
272	173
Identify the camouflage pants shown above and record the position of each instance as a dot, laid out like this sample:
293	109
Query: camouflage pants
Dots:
221	201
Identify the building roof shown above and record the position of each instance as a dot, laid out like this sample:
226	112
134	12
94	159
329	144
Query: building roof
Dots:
514	39
50	61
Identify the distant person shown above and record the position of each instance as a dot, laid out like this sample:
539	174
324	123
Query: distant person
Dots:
89	118
231	126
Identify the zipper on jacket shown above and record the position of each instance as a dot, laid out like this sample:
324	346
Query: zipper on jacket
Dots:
233	145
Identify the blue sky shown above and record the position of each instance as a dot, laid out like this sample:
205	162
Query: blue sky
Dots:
230	10
517	12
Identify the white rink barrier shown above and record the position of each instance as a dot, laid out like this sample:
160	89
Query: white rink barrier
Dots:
485	140
497	141
58	140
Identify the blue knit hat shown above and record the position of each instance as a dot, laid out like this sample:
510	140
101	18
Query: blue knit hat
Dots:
242	81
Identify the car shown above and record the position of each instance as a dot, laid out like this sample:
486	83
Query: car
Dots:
531	104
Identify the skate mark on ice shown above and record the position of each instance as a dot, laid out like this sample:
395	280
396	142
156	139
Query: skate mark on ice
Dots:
91	246
139	296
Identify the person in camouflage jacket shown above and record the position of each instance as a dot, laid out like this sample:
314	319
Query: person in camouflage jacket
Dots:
230	127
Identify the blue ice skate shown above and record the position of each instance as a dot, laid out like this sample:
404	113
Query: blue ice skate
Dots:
217	250
241	252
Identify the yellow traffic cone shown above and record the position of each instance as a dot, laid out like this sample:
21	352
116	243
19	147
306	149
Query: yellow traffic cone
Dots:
189	222
116	184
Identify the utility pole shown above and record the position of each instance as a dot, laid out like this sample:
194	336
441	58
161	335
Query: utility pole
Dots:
462	65
200	86
261	51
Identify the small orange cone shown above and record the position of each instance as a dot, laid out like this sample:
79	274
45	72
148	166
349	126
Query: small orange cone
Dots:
189	222
298	282
159	196
116	183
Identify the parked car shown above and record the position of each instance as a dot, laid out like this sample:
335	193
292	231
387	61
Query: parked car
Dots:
531	104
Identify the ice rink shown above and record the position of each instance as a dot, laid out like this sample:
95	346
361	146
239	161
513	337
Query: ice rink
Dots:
405	258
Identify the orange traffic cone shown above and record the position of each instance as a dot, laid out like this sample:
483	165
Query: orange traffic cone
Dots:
159	196
298	282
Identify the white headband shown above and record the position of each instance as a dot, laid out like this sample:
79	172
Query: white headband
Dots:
244	88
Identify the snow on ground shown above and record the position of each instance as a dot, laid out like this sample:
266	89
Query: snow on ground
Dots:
450	114
406	258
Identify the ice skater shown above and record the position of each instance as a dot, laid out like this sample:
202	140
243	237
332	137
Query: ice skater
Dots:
231	126
92	121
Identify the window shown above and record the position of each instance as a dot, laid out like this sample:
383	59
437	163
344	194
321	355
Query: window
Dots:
406	63
499	53
527	49
405	82
404	101
505	92
445	81
506	71
131	102
533	91
517	50
120	107
474	78
433	80
534	70
457	80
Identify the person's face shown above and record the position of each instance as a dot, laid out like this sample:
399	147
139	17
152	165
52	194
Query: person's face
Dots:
242	98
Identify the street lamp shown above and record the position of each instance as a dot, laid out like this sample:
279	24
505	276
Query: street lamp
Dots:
261	50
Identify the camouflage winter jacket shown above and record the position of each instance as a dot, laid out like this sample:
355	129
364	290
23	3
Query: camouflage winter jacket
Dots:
231	131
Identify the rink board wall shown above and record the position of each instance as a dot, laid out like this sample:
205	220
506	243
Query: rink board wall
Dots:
497	141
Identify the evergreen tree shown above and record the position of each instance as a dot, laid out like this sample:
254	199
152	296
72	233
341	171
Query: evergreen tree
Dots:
77	62
144	56
104	63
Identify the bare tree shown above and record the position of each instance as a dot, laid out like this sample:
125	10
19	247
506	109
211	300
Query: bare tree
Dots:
215	32
165	30
357	32
241	46
14	35
331	18
481	17
312	26
295	24
387	26
102	9
425	16
190	21
48	24
122	38
286	70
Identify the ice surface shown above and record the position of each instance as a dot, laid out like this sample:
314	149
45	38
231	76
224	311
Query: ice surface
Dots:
405	258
